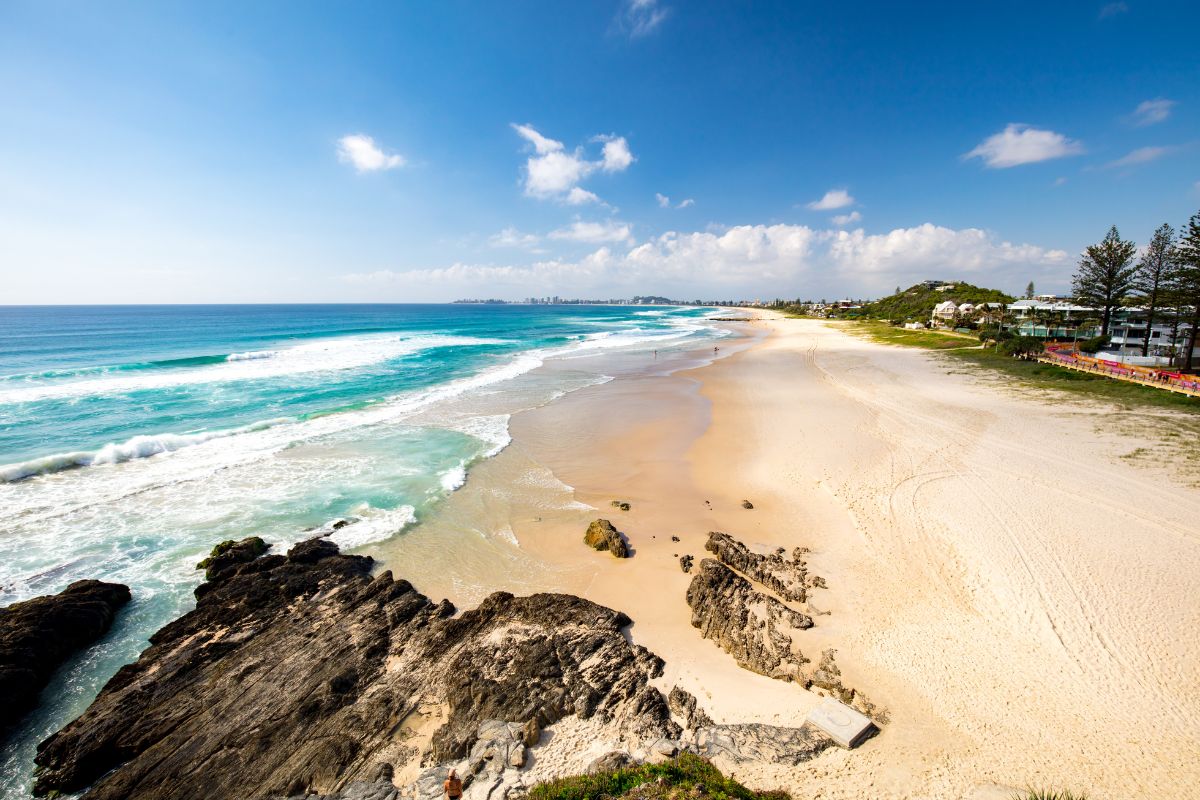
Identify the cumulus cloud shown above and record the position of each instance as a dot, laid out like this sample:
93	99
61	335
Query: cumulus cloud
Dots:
834	198
685	203
553	172
1142	155
846	219
1021	144
579	197
1151	112
511	237
594	232
361	151
751	260
1109	10
638	18
617	157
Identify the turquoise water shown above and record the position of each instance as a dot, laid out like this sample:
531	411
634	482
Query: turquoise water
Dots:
134	438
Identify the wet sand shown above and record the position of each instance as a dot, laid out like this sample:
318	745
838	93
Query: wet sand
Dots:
1017	595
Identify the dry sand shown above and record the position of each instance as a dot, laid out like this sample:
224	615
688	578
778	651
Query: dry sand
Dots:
1020	598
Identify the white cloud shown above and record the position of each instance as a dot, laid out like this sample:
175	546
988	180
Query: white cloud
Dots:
1142	155
511	237
554	172
752	260
1151	112
617	157
1059	181
834	198
579	197
846	219
361	151
1021	144
1112	9
540	143
640	17
665	202
594	232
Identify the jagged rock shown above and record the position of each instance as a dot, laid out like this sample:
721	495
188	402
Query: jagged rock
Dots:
784	578
747	504
685	563
683	705
760	632
230	553
601	535
621	504
761	743
828	676
37	635
531	733
674	538
608	762
294	674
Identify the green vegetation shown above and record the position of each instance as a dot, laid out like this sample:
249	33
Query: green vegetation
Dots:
684	777
256	544
927	339
916	303
1034	374
1045	794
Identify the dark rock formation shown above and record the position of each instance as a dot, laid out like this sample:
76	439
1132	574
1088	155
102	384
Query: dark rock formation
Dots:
621	504
760	632
37	635
788	579
685	563
302	675
747	504
601	535
683	705
230	553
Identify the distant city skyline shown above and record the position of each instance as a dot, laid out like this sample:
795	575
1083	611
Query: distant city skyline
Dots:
285	152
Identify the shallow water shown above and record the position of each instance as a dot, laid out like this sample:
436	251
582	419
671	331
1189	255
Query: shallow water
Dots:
133	439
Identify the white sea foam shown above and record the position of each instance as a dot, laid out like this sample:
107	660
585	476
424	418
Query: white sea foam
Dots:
141	446
453	478
324	355
253	355
369	524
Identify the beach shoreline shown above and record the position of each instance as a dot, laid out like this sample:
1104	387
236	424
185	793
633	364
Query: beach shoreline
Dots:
1014	626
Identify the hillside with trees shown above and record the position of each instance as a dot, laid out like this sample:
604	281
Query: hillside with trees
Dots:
916	303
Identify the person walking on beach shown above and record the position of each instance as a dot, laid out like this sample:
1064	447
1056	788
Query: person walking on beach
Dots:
453	786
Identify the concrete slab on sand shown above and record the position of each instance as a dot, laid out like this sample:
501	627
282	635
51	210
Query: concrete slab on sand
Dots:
844	725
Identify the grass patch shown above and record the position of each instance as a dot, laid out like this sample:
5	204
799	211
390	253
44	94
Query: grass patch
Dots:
671	780
930	340
1045	794
1033	374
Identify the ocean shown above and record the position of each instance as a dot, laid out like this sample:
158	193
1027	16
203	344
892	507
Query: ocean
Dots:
134	438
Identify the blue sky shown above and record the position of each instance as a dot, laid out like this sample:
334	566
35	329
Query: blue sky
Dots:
259	152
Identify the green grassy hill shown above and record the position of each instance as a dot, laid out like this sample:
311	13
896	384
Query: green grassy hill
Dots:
916	303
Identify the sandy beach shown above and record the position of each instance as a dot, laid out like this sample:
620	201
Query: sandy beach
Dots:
1017	596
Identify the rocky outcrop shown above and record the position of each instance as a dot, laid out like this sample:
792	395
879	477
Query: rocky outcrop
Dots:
746	504
686	562
601	535
621	504
759	631
828	676
37	635
788	579
230	553
683	705
303	674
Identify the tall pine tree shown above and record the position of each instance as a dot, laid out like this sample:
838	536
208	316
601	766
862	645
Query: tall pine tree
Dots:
1185	281
1105	275
1150	282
